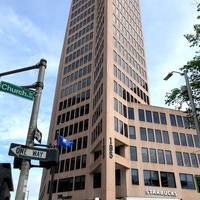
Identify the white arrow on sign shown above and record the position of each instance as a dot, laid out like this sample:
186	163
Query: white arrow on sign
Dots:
19	151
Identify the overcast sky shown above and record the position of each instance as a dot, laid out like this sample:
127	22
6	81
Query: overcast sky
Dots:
31	30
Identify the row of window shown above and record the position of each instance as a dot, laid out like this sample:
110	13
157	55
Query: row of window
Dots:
97	112
96	132
80	42
152	116
76	87
154	135
161	157
128	81
152	155
98	63
129	18
98	81
118	89
165	157
167	179
78	74
177	120
67	184
73	114
185	139
83	71
79	143
74	100
131	40
79	3
98	96
80	33
185	159
130	10
78	127
79	52
82	8
82	16
121	127
120	61
128	56
81	24
73	163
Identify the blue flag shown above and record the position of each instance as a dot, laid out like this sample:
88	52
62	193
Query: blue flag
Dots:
62	142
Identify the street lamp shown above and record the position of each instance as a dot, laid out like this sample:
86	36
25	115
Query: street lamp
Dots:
190	98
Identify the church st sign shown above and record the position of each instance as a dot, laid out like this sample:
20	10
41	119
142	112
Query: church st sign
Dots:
16	90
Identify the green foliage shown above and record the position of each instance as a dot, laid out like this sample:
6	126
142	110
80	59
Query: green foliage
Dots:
176	97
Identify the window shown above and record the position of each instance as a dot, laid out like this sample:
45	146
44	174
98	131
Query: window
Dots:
196	141
83	163
145	156
151	135
172	120
165	137
186	159
168	157
187	181
65	184
130	113
121	127
141	115
67	164
84	142
132	133
179	158
148	116
134	177
183	139
62	165
190	140
78	162
133	153
194	160
97	180
163	118
72	163
156	117
153	157
79	183
161	158
167	179
117	177
185	119
151	178
116	104
176	138
158	136
116	124
179	121
143	134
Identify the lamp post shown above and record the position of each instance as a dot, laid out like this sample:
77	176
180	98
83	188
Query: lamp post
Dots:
190	98
25	166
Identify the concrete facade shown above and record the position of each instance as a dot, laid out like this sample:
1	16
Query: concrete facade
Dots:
124	148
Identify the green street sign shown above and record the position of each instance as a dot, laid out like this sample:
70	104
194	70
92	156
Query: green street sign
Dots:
16	90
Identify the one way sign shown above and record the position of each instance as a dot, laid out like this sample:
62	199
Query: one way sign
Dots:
22	151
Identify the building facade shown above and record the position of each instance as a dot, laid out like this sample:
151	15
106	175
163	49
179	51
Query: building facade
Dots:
124	148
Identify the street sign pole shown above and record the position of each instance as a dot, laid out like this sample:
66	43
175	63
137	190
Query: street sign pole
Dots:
25	167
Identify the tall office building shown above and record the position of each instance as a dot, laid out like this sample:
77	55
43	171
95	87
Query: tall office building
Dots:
124	148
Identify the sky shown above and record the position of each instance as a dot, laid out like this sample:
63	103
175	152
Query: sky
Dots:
31	30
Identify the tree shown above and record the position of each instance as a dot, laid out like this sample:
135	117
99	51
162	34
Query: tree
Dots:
176	96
